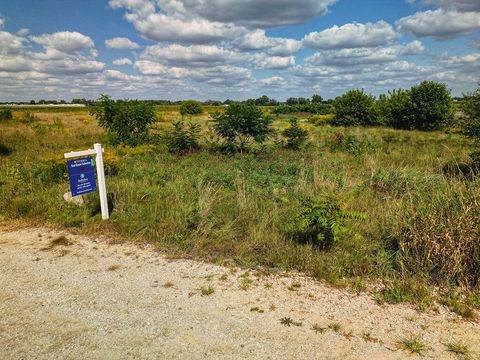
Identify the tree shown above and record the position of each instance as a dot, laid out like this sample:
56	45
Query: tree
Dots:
355	108
431	106
240	124
292	101
471	124
317	99
126	121
296	136
395	109
182	139
191	107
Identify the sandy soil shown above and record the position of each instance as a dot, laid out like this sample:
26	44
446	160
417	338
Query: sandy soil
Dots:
91	299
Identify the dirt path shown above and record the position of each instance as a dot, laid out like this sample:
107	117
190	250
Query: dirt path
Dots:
88	299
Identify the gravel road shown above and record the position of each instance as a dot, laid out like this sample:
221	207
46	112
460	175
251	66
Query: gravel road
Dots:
74	297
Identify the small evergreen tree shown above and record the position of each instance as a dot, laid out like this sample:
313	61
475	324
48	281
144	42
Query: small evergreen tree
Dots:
296	136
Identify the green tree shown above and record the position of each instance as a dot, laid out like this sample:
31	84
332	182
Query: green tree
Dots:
395	109
355	108
126	121
191	107
471	123
431	106
295	135
317	99
240	124
182	139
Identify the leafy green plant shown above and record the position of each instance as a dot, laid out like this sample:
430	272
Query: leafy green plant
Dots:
413	344
355	108
191	107
431	106
241	124
126	121
6	114
321	220
295	135
182	139
395	109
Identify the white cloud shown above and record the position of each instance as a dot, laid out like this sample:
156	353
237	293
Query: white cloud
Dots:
65	41
23	32
413	48
257	40
194	55
353	35
121	43
2	22
118	75
440	23
273	62
460	5
11	44
122	61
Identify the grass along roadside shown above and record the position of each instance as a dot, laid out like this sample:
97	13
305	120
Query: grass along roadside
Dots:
239	208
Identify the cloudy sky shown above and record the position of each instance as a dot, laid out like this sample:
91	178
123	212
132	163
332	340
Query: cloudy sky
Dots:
219	49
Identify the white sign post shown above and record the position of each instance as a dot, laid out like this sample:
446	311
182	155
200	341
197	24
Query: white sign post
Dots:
102	188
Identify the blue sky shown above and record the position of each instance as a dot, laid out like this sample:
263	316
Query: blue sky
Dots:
218	49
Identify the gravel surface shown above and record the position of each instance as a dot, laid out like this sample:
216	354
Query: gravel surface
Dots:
75	297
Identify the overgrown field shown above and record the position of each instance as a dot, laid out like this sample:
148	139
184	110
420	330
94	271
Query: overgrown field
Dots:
419	223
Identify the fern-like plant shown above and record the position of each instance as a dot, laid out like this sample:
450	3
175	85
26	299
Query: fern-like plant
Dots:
182	139
321	220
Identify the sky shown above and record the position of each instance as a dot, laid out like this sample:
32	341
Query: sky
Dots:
233	49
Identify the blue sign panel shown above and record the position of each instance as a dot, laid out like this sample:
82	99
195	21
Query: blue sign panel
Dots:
82	176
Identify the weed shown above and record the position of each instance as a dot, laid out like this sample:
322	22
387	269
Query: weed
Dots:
335	327
113	267
206	291
257	309
458	348
414	344
289	322
168	285
318	329
58	241
224	277
295	286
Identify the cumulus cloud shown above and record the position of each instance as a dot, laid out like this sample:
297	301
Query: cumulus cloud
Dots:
274	62
440	23
122	61
11	44
353	35
460	5
121	43
257	40
194	55
65	41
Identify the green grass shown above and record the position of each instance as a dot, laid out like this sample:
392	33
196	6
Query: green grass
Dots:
206	291
420	227
458	348
413	344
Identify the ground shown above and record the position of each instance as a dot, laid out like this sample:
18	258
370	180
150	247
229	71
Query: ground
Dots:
66	296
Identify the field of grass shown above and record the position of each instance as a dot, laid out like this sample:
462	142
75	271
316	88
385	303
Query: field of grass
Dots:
421	225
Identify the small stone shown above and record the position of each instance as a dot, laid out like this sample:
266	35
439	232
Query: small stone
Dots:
77	200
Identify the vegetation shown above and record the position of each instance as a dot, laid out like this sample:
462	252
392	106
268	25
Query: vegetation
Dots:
395	216
126	121
6	114
241	124
413	344
191	107
182	139
355	108
295	135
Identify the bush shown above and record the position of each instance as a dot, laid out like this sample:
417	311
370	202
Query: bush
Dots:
240	124
431	106
395	109
352	143
355	108
191	107
126	121
321	220
182	139
4	150
296	136
6	114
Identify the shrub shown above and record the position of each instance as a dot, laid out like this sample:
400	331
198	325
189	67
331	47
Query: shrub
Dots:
352	143
182	139
355	108
431	106
321	220
126	121
191	107
395	109
4	150
296	136
240	124
6	114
